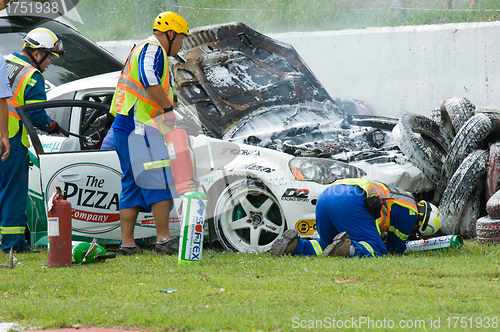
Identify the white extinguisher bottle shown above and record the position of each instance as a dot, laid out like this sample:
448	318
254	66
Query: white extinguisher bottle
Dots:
194	204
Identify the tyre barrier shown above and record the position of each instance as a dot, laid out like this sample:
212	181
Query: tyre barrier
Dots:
470	137
493	174
471	213
487	110
425	143
488	230
455	112
493	206
460	188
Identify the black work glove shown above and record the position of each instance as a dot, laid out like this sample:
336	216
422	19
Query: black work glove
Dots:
168	117
54	128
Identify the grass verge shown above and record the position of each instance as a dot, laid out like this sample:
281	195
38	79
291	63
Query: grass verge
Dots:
240	292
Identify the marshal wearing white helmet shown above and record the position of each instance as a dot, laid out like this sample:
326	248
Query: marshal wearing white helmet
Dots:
41	39
24	72
363	218
429	219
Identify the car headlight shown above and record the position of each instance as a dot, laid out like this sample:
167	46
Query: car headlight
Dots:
323	171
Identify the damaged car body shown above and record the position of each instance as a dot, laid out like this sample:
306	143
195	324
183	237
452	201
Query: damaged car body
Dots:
248	88
249	95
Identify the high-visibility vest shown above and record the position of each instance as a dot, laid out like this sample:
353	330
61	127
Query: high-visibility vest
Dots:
19	73
389	194
130	91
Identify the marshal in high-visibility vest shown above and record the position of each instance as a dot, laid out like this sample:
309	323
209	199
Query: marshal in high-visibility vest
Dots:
143	110
362	218
130	92
24	71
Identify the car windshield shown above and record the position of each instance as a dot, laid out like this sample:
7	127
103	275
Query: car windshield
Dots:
83	57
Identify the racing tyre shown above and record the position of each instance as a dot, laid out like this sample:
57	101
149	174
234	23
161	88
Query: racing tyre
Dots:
493	174
248	217
471	213
469	137
488	110
424	143
460	188
488	230
455	112
493	206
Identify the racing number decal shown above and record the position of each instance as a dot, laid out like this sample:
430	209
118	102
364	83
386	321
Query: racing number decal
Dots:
306	227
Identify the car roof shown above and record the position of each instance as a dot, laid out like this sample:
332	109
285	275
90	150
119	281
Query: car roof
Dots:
98	83
84	58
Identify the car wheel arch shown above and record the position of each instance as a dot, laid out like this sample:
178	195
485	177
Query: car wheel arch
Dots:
262	195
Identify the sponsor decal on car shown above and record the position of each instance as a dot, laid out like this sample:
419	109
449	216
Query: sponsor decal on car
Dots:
208	180
240	152
259	168
151	222
52	144
296	195
94	199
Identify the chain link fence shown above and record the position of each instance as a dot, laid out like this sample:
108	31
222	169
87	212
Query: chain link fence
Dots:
126	19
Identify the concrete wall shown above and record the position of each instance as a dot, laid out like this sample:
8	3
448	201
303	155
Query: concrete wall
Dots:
400	69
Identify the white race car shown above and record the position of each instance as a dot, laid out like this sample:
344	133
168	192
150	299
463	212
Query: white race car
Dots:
254	193
238	87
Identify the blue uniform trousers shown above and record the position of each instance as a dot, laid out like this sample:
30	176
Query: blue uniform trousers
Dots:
141	187
341	208
14	196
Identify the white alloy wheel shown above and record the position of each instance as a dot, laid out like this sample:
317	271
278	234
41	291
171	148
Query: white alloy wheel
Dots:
247	217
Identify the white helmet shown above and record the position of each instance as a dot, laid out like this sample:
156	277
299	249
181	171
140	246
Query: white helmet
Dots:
429	218
45	40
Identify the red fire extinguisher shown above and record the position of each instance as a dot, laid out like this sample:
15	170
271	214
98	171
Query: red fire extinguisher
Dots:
59	231
180	159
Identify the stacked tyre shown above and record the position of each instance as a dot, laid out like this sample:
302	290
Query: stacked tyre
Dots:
488	227
452	151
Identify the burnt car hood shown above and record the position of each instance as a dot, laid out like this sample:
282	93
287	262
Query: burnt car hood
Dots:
231	72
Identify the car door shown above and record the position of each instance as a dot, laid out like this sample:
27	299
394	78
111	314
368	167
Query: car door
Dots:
90	179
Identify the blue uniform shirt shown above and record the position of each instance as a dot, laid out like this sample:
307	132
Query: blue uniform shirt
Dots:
402	221
5	91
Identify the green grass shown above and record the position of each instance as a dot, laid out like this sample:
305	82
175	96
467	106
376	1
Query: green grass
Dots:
125	19
240	292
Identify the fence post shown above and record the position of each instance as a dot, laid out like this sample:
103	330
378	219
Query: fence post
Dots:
398	9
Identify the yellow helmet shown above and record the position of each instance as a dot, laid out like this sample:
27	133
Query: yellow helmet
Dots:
167	21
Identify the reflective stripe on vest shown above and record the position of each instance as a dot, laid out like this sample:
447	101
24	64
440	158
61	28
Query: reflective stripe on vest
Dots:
156	164
129	90
316	247
12	230
389	196
19	73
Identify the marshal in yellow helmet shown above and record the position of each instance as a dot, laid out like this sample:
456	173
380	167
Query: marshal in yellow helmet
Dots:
167	21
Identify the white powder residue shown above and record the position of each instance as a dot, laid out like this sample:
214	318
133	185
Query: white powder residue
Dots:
219	76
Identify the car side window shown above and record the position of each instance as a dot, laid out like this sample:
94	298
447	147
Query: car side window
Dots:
61	115
95	123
